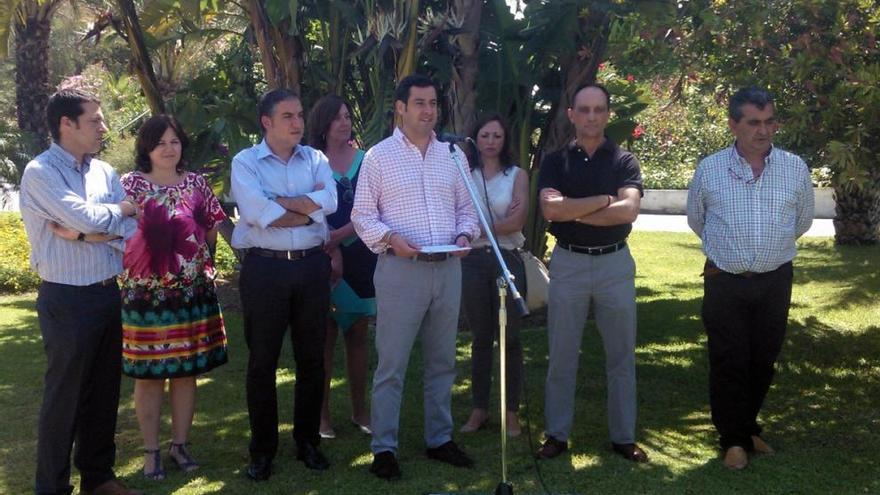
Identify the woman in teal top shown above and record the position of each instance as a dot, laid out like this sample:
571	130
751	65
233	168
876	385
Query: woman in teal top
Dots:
353	296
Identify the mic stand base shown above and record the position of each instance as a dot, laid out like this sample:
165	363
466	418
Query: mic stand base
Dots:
504	488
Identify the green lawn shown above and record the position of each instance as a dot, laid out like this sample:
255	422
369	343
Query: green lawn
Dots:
822	415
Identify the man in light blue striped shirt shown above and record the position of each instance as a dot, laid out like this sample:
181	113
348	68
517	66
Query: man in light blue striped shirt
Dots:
748	203
78	303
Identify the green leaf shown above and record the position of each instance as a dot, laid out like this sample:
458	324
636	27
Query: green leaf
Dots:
277	10
7	13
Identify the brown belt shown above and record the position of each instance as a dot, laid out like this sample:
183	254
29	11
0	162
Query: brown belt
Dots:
286	255
429	257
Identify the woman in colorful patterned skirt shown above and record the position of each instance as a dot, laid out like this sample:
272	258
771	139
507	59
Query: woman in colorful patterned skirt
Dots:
353	297
172	326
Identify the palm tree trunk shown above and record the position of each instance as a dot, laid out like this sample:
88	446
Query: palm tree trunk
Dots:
857	219
32	72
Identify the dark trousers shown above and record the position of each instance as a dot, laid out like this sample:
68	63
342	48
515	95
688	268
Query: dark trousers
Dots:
745	320
479	302
82	337
277	294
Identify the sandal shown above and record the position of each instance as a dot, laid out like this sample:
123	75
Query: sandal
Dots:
183	460
158	472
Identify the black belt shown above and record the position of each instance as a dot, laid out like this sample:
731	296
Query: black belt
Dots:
593	250
104	283
712	269
286	255
429	257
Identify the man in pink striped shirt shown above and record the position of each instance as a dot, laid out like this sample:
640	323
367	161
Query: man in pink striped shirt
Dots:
411	196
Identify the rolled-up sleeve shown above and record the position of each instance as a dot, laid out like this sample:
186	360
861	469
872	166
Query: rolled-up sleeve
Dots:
253	205
365	211
325	198
696	210
127	226
53	201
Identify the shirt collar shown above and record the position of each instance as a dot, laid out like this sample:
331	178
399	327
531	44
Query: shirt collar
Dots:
405	140
263	151
607	145
68	159
739	159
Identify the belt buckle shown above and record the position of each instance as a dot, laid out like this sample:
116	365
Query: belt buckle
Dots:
288	256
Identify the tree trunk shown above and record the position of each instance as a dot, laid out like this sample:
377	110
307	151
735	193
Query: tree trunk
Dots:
462	94
140	57
32	74
288	53
857	219
261	26
280	53
409	56
559	131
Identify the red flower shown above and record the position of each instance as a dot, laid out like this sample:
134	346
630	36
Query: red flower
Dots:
197	209
638	132
602	66
630	78
159	240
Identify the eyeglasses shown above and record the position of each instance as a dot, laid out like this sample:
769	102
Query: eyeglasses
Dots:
348	193
736	176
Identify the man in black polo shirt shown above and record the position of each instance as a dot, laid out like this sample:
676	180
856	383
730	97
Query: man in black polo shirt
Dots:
590	191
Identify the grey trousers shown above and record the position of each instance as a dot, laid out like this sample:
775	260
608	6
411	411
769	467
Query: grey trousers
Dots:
609	282
414	298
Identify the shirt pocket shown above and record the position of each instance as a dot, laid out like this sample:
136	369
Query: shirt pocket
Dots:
782	206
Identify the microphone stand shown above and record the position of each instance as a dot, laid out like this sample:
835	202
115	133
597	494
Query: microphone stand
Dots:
505	283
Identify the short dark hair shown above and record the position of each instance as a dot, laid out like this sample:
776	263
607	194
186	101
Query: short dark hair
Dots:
750	95
66	103
401	93
268	101
148	139
504	155
584	86
322	114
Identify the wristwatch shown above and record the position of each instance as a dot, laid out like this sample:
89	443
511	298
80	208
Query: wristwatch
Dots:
81	236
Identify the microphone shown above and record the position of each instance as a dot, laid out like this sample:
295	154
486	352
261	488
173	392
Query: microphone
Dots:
448	137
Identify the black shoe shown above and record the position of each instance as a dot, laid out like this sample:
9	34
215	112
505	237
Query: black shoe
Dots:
551	448
260	468
450	454
630	451
312	457
385	466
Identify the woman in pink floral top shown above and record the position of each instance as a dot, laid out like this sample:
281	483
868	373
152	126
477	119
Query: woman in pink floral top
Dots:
172	326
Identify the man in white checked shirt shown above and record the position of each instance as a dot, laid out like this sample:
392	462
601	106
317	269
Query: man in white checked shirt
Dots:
411	196
748	203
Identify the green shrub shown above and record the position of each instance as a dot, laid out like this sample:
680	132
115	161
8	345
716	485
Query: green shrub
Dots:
224	259
119	153
675	136
15	272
